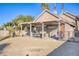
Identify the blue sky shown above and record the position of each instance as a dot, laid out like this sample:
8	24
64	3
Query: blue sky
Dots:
9	11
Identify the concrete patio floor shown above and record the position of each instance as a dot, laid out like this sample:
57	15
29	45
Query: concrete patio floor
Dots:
23	46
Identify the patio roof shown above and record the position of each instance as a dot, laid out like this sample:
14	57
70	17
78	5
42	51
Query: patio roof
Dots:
53	22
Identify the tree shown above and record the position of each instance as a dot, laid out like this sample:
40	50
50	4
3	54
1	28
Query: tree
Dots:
14	24
8	24
44	6
21	19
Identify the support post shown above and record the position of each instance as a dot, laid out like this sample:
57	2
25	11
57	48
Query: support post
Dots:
31	30
42	30
21	30
68	35
59	30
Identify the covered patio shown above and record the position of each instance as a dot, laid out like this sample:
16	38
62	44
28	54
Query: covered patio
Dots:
46	24
41	29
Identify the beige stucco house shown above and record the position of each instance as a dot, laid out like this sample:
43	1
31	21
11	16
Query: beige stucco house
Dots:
48	24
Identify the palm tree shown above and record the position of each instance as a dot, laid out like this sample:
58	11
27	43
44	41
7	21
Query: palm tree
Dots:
44	6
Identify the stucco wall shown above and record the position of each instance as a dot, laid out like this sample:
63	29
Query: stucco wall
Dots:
69	31
78	25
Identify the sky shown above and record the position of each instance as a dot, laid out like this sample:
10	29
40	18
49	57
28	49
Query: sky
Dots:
9	11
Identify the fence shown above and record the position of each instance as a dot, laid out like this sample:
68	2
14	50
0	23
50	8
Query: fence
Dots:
3	34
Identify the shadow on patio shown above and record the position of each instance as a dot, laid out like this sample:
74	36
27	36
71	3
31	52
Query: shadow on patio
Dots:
3	46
